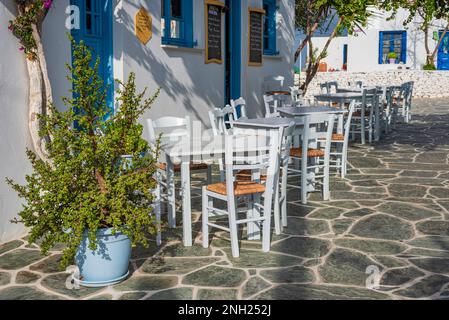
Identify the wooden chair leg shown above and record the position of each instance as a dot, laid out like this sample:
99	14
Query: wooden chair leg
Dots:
209	174
284	198
157	213
277	217
205	218
304	177
233	228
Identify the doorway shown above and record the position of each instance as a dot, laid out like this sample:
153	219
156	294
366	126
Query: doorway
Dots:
96	32
443	53
232	49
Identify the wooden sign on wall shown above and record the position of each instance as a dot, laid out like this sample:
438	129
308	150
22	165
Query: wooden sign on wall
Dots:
255	36
142	25
214	32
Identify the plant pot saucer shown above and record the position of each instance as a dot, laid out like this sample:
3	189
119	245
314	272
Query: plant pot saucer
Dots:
94	284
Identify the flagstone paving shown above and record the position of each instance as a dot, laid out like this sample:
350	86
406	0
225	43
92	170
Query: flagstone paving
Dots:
390	214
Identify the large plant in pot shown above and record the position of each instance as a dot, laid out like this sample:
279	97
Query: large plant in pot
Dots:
95	194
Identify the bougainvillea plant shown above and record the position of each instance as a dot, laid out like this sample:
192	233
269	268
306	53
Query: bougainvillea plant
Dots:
30	13
27	28
88	185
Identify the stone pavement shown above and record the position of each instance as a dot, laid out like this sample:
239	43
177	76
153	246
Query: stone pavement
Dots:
391	214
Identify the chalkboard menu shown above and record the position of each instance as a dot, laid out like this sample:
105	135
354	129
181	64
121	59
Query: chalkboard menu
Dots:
255	36
213	28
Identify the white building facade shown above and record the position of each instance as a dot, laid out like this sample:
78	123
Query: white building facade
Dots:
173	59
368	49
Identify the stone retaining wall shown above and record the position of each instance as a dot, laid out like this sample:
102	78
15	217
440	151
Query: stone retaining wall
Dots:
428	84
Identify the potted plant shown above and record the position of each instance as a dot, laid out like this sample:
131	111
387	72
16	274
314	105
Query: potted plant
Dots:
94	194
392	56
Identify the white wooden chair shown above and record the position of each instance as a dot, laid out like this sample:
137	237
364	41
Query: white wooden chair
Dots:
232	189
339	155
332	86
363	118
168	128
272	103
280	197
239	108
219	118
355	84
316	143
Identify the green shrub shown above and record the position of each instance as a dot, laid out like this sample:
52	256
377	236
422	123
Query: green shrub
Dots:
429	66
87	185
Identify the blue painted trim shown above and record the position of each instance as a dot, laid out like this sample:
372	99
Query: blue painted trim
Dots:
443	58
270	34
236	47
106	36
345	54
186	32
403	34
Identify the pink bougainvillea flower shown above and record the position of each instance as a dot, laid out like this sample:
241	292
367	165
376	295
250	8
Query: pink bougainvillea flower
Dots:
47	4
22	49
10	27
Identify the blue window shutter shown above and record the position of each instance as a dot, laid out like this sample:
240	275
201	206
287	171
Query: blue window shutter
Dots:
381	36
186	20
404	47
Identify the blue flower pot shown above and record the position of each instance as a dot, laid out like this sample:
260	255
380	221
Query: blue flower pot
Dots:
108	264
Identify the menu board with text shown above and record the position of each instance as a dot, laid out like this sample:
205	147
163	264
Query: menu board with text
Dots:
255	36
213	20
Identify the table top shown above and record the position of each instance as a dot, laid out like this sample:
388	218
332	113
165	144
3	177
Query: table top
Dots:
338	95
303	111
269	123
210	147
282	92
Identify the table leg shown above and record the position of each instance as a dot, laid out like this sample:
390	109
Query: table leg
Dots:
186	206
171	193
377	124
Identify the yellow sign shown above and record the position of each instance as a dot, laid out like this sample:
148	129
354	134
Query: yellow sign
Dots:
143	24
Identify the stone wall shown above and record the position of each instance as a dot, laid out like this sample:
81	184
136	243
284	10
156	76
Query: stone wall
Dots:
428	84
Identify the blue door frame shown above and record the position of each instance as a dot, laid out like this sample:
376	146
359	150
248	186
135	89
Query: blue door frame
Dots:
443	53
96	32
233	50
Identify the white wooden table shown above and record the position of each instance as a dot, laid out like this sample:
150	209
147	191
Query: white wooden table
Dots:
295	112
343	98
185	150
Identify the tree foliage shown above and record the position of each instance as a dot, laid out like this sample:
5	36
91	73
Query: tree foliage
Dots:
429	11
340	15
89	185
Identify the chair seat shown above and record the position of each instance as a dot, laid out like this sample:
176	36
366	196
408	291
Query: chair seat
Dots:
335	137
246	175
177	167
241	188
297	152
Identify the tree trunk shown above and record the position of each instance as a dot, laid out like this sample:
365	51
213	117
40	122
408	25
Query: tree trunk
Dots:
311	72
432	57
40	93
426	45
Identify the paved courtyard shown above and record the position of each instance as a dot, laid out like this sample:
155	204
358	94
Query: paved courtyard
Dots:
391	214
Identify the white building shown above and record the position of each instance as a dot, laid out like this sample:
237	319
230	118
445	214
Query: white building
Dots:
174	59
367	50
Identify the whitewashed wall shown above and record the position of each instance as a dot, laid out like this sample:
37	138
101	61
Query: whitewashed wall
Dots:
14	136
363	47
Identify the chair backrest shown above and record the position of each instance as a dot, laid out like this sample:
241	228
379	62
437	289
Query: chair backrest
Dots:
409	95
317	126
265	159
273	83
332	86
286	143
324	87
355	84
168	127
347	125
239	108
272	103
218	119
370	100
295	94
